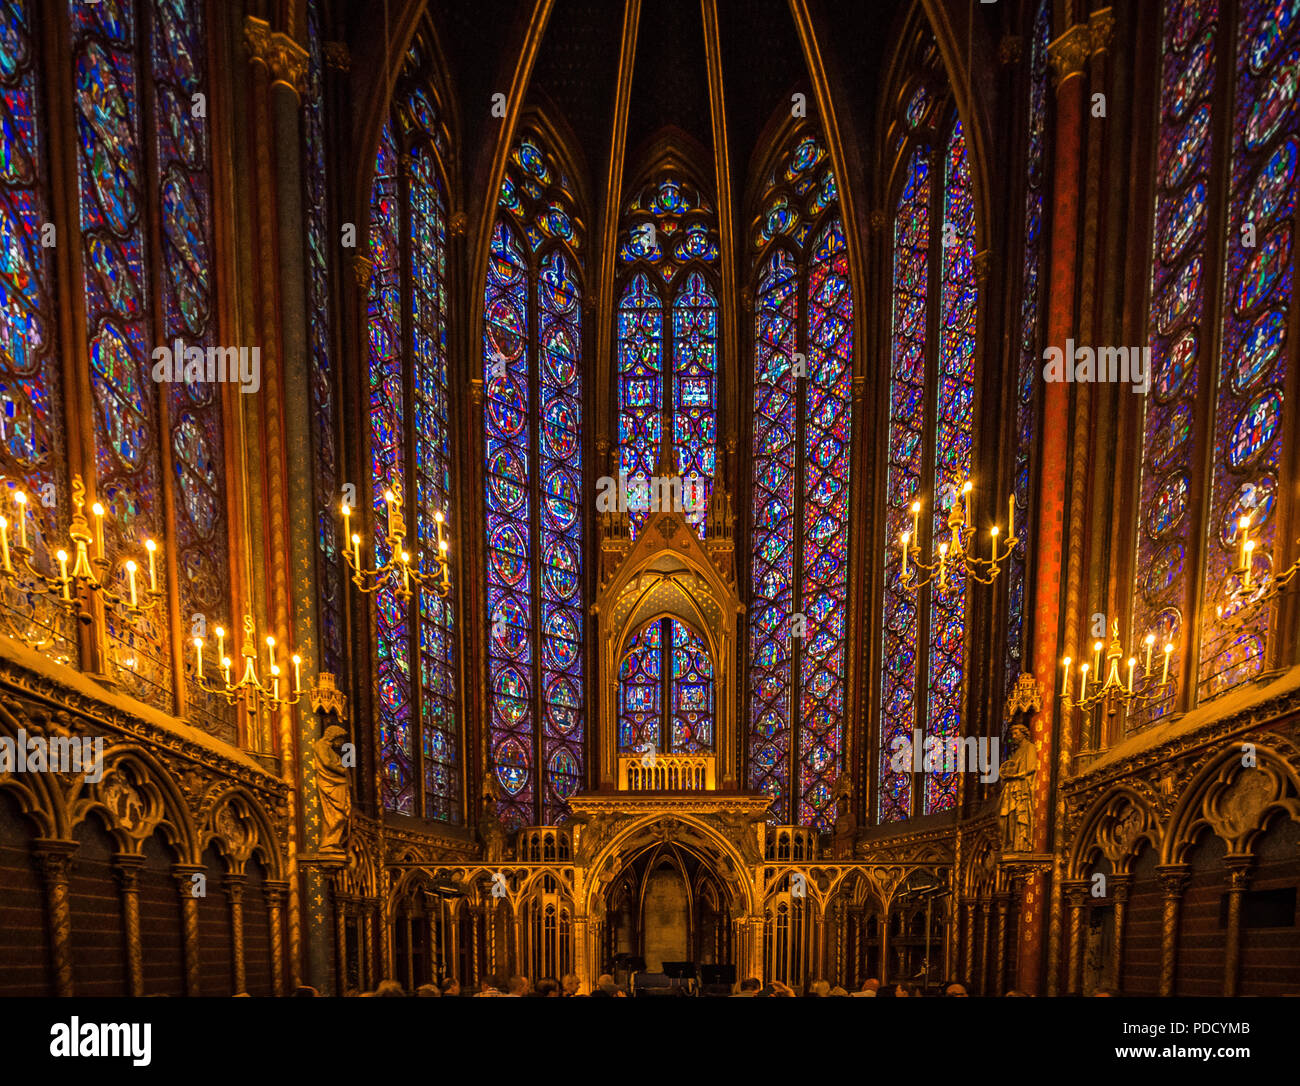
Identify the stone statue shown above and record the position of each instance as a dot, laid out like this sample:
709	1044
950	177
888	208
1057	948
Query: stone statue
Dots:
1015	807
842	795
332	790
489	823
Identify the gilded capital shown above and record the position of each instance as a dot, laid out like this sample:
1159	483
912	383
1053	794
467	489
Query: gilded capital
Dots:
284	58
982	267
1101	28
362	266
1069	53
337	56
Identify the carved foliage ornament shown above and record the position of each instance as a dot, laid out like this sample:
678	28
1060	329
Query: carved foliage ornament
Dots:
284	57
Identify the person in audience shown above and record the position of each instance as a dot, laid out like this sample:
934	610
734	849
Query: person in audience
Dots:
569	985
956	990
838	992
870	987
819	989
489	987
518	987
750	987
390	988
428	991
305	991
547	988
1105	993
450	986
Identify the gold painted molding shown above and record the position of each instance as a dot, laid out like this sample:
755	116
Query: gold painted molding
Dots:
284	57
1069	53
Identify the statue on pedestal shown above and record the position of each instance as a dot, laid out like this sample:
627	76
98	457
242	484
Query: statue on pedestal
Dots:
332	790
1015	806
489	824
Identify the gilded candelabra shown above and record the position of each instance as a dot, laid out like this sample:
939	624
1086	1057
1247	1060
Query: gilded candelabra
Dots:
398	568
956	555
1112	689
251	688
1250	593
81	569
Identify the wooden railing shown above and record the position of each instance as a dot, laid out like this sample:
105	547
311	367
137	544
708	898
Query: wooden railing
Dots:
667	773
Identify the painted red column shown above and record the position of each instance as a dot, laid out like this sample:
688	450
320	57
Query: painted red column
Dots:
1068	56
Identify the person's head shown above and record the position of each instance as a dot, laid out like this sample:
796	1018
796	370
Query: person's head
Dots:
1016	992
389	988
871	984
838	991
450	986
547	988
606	983
305	991
569	984
751	984
428	991
1105	993
901	991
956	990
518	985
819	988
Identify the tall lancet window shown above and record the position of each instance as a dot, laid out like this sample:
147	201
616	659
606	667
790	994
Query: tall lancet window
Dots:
668	342
410	440
929	452
1031	299
533	374
32	454
666	691
802	395
1221	289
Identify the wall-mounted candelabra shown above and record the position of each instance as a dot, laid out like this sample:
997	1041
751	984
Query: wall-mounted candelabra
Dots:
85	570
255	691
1251	592
1114	689
400	569
956	555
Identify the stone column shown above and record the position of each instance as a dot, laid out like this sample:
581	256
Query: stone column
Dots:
186	887
1119	888
276	892
986	937
126	868
340	938
1000	985
453	926
234	886
1068	56
1238	882
1173	880
968	943
54	858
1076	897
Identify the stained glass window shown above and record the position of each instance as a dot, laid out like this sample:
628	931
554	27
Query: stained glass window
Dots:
1030	351
418	730
1177	329
1217	348
666	691
929	449
532	365
328	569
668	343
801	444
31	416
1259	275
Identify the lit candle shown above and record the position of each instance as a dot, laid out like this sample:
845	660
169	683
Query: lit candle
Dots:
270	653
905	538
275	683
1146	668
4	544
943	574
1011	517
152	547
98	510
1065	693
965	493
221	643
297	681
994	533
356	552
437	519
1132	663
1243	525
130	579
346	522
1169	649
21	500
1249	548
1096	657
225	669
1083	682
198	656
916	520
63	572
